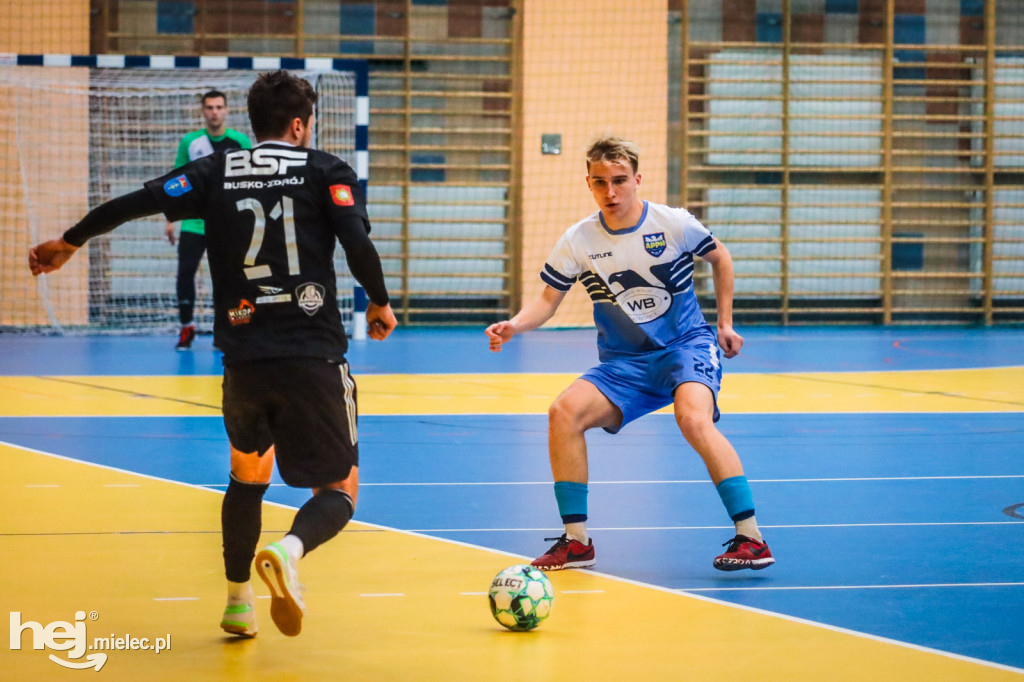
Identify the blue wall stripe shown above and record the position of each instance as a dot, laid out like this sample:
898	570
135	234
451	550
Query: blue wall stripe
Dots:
357	67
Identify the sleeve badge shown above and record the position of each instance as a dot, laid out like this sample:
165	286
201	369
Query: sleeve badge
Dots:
342	195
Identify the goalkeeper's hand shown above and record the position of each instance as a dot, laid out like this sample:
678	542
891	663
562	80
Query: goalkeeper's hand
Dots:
49	256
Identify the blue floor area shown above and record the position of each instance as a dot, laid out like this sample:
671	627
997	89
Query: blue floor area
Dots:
892	525
446	350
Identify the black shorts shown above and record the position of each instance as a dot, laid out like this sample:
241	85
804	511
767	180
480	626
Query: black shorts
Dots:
304	407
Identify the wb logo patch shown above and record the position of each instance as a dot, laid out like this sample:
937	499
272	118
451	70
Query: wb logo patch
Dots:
655	243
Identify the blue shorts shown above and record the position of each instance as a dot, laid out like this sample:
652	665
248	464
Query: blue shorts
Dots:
642	384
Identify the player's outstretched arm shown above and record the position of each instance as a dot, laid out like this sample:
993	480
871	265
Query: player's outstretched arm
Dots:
724	280
534	314
380	321
49	256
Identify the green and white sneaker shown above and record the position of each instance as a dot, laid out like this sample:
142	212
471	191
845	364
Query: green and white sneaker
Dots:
282	577
239	619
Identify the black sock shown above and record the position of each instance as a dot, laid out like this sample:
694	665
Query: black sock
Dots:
321	518
185	313
240	521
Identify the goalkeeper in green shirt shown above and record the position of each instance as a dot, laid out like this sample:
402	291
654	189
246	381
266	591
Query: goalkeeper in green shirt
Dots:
215	137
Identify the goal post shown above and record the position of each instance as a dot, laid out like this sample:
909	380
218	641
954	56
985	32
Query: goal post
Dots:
79	130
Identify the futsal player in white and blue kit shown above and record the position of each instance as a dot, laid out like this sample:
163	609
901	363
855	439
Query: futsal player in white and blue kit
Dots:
635	259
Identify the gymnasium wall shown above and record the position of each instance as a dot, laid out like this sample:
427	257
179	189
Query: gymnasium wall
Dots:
33	27
588	67
39	26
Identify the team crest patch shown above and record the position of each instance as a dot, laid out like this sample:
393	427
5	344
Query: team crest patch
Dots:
342	195
655	243
175	187
310	297
242	314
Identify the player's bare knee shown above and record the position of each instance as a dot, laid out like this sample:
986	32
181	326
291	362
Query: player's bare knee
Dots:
563	417
251	475
694	425
252	467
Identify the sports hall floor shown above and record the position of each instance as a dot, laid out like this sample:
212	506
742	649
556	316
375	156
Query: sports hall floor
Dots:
886	465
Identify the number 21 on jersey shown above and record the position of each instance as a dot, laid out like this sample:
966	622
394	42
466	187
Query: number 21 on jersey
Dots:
283	211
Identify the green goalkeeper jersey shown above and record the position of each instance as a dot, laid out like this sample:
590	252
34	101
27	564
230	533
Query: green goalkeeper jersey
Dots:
198	144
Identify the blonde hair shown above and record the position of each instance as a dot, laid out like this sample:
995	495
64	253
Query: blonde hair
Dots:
609	148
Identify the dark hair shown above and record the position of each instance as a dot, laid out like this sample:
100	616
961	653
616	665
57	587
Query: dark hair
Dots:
275	100
213	94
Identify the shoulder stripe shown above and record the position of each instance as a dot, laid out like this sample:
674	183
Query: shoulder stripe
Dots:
554	283
706	246
556	275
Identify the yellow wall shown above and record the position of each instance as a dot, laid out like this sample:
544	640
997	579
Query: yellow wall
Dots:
44	181
44	26
44	193
579	77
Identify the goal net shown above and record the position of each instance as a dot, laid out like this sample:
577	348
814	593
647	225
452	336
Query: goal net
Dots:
76	136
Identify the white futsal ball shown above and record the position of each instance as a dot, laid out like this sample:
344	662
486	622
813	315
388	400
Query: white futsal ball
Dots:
521	597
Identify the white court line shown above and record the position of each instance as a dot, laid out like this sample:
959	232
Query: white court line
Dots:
844	587
781	525
175	598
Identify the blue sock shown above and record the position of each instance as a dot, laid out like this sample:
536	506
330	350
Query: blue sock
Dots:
737	498
572	501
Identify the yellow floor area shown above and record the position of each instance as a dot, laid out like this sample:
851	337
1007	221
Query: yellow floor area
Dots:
143	556
962	390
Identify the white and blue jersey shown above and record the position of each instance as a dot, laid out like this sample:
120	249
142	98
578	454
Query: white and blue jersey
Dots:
640	279
652	335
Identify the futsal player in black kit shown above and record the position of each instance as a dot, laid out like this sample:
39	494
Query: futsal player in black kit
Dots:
272	216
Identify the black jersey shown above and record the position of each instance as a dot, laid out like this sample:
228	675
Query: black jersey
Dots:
273	215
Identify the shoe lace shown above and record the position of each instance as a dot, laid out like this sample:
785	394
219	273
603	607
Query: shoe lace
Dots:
735	543
560	541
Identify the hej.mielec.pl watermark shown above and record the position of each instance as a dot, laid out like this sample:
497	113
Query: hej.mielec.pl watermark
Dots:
72	638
